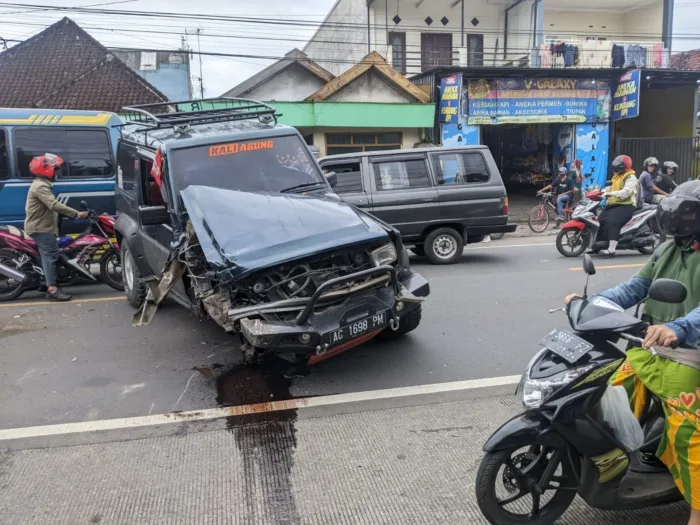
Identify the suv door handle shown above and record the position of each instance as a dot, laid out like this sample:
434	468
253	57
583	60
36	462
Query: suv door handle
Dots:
429	199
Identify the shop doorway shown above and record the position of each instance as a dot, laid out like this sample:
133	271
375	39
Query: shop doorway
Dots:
525	155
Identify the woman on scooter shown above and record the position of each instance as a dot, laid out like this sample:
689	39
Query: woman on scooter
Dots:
622	201
674	383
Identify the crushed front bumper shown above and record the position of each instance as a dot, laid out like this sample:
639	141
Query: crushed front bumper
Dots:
330	321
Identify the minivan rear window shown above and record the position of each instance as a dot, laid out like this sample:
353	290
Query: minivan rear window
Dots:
460	168
86	152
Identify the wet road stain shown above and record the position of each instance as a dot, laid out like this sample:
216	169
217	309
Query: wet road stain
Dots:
267	441
207	371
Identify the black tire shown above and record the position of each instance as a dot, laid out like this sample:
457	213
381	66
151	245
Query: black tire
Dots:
419	251
134	288
658	241
497	236
408	323
112	257
488	501
568	235
9	291
449	241
538	220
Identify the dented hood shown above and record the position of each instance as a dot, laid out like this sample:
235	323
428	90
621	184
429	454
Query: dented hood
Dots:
251	231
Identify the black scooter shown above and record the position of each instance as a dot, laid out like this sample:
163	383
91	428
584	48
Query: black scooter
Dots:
536	463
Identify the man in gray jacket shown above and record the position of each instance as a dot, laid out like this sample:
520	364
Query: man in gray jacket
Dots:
41	221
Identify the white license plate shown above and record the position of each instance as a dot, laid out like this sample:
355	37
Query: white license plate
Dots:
358	328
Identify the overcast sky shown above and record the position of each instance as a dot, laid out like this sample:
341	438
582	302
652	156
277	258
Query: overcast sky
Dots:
220	74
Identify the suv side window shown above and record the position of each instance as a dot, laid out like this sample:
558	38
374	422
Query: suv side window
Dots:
460	168
126	170
152	195
349	176
401	175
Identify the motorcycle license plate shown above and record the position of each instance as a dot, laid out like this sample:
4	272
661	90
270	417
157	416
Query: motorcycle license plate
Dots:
566	345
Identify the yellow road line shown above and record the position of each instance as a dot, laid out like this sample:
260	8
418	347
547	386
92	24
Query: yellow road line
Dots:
611	267
74	301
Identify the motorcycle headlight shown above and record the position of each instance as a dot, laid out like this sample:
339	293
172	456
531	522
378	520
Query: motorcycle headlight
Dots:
384	255
535	391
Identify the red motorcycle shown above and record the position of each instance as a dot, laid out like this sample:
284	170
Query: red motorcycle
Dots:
20	262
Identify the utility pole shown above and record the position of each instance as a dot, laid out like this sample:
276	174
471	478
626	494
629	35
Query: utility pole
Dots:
201	74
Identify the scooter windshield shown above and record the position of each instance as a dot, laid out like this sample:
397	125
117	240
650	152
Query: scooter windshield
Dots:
599	314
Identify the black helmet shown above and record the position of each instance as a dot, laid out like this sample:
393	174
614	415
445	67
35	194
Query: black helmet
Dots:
679	214
621	164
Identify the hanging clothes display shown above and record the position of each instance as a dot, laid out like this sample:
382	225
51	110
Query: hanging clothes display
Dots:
546	56
657	52
618	55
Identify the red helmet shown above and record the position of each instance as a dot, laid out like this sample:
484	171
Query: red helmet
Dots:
621	164
45	165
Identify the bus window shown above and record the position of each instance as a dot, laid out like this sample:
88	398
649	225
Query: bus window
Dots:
4	161
86	152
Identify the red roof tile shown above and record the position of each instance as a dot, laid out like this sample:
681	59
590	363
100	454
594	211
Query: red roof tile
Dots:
63	67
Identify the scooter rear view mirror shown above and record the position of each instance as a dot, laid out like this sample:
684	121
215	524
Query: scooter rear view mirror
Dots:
668	291
588	265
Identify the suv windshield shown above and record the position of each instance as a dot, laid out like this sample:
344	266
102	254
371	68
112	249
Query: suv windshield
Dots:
260	165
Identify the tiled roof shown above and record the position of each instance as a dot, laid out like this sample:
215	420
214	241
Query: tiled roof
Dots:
372	62
63	67
688	60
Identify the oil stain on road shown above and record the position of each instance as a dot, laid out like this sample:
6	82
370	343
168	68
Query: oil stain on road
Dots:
267	441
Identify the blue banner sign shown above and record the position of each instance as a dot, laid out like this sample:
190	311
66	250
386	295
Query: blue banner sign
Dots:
450	94
538	100
459	133
592	150
625	100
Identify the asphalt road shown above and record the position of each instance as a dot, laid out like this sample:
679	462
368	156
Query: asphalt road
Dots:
84	361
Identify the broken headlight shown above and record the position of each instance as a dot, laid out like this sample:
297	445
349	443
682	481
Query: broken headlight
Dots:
384	255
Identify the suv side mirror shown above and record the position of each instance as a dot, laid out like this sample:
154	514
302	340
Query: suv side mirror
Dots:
668	291
83	205
153	215
332	178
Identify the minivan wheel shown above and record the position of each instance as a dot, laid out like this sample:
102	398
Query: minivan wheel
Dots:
444	246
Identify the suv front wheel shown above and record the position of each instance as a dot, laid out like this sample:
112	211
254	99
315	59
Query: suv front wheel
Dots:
444	246
133	286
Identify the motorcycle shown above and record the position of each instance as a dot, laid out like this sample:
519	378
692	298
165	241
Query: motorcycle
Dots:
565	442
20	262
579	234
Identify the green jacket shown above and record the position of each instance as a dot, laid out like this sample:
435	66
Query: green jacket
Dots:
42	208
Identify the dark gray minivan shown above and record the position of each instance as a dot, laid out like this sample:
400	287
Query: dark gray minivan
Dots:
438	198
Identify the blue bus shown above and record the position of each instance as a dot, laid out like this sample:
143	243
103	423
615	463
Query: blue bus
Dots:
87	142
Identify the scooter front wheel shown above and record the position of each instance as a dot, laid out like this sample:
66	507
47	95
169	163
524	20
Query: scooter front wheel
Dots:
532	486
572	242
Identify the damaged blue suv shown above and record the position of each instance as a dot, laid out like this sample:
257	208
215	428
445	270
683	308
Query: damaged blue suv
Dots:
226	212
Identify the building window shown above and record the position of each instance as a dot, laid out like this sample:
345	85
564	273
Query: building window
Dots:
436	50
401	175
397	41
339	143
460	168
475	50
86	152
349	176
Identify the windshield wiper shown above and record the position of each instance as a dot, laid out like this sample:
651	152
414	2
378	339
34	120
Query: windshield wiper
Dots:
306	185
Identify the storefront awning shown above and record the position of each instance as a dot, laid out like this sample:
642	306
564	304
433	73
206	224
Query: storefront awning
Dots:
355	114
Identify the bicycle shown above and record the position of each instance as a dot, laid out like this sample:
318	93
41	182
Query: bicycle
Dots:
539	215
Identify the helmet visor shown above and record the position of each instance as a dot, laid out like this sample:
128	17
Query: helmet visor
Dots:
679	217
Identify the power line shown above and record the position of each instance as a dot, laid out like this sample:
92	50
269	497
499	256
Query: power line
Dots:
252	20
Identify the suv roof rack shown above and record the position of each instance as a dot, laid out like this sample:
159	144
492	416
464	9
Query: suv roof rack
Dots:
201	111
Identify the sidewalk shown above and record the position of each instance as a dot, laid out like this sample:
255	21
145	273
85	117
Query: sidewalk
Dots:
396	466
